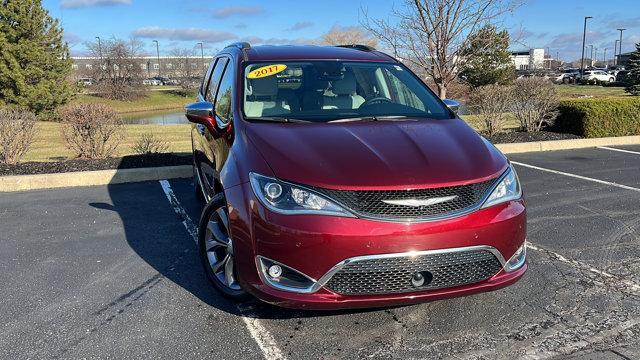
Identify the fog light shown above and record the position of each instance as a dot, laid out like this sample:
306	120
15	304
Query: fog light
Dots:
282	277
275	271
272	191
417	280
517	260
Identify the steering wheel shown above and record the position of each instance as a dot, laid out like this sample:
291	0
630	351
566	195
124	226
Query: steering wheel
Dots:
376	100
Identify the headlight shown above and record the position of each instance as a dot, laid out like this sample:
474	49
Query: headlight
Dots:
507	189
290	199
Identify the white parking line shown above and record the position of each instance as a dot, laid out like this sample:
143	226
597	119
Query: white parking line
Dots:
620	150
577	176
629	284
259	333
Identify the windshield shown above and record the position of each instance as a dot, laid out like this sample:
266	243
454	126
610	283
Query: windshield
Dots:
322	91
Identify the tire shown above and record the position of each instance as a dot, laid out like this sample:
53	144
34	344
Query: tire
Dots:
611	80
216	249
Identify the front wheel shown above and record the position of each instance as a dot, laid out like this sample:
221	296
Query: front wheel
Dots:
216	249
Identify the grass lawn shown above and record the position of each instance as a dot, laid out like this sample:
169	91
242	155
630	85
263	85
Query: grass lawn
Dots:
49	145
574	91
153	101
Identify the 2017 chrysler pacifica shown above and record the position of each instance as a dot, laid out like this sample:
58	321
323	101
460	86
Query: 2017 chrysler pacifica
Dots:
334	178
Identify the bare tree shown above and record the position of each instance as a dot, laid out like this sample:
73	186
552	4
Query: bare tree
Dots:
117	68
491	104
535	103
431	34
17	132
187	68
348	35
92	131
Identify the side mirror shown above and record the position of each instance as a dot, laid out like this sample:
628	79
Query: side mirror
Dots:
452	105
201	113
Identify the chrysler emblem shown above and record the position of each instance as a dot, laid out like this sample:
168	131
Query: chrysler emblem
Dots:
420	202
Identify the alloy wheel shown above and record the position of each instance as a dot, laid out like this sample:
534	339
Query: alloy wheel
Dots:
219	249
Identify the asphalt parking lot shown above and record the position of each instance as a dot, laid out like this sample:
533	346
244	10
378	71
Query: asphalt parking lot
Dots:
112	272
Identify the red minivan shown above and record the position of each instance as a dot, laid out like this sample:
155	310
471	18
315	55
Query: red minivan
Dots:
334	178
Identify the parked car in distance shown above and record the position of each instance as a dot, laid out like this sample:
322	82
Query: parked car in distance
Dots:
333	177
595	76
86	82
151	82
166	81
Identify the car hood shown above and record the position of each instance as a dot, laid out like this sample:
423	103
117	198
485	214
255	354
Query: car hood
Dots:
377	155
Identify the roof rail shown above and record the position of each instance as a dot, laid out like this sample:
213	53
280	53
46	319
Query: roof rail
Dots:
243	46
357	47
240	45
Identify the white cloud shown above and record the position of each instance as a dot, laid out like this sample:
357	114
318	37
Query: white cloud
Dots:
300	25
75	4
237	10
183	34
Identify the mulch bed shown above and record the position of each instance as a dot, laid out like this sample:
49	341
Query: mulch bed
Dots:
518	136
127	162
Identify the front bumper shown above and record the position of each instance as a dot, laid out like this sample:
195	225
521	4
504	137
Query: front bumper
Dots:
315	244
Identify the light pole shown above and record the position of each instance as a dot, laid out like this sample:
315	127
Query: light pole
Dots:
158	56
591	58
99	48
201	53
584	37
615	52
604	57
620	49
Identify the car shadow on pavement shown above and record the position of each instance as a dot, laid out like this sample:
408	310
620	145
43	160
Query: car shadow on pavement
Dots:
156	234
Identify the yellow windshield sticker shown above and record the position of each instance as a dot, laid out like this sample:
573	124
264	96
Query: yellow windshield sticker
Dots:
265	71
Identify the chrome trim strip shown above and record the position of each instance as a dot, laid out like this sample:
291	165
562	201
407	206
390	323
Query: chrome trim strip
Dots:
265	279
329	274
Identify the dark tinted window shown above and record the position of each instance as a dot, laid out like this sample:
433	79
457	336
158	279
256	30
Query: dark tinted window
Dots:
215	79
205	81
321	91
223	98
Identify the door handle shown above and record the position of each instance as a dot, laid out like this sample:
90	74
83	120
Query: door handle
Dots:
201	128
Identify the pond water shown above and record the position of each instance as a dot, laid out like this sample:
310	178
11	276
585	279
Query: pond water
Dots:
155	118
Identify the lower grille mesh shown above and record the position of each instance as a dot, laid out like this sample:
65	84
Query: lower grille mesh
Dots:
393	275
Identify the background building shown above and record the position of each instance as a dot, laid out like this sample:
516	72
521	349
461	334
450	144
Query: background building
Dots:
169	66
528	59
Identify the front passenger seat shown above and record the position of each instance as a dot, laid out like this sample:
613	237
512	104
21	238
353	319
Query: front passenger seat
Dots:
345	94
262	98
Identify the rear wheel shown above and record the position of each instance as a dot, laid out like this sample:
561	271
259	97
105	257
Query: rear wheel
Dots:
216	249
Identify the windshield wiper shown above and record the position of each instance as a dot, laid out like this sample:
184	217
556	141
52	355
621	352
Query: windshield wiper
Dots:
279	119
373	118
351	119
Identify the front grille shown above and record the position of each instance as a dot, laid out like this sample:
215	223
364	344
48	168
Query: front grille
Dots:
369	204
393	275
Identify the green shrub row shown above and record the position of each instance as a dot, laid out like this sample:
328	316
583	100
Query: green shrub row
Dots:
599	117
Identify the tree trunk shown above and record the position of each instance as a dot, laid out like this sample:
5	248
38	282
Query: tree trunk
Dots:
442	90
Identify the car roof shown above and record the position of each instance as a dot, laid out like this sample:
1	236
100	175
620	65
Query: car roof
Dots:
314	52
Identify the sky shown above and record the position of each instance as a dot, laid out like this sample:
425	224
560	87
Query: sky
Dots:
553	24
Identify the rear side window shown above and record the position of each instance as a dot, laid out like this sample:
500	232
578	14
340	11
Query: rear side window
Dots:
215	79
223	98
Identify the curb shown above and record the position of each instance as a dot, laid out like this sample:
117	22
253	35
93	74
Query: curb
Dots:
551	145
91	178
